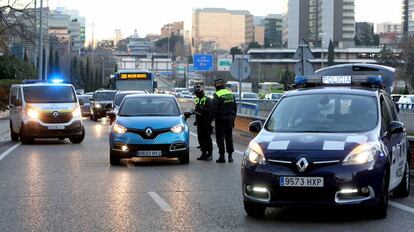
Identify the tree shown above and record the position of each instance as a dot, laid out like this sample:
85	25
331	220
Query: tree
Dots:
56	63
287	77
51	61
331	54
387	57
235	51
75	72
190	59
14	68
253	44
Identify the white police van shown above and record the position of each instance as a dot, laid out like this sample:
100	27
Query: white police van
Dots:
45	110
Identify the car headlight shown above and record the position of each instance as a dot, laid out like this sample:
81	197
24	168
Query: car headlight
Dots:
77	113
118	129
254	153
362	154
97	105
32	113
178	128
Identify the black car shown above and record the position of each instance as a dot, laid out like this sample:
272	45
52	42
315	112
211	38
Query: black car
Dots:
335	141
101	103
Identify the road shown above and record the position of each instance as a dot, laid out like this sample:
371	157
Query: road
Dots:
58	186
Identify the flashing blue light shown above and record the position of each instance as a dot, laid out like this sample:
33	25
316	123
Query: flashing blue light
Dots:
375	80
56	81
300	80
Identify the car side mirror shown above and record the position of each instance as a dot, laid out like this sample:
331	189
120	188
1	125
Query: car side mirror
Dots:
255	126
18	102
81	102
111	115
396	128
187	114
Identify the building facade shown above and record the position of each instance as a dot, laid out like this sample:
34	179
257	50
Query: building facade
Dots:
318	22
221	29
172	29
389	27
273	31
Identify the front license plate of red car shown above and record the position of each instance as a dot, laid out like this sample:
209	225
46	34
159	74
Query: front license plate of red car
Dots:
148	153
310	182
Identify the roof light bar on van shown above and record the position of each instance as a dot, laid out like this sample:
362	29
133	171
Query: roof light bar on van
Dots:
344	80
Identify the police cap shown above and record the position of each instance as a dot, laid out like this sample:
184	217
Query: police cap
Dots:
219	83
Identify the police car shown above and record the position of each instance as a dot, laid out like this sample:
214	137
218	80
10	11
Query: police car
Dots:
336	140
45	110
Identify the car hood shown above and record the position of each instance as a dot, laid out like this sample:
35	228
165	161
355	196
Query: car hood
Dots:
141	123
318	145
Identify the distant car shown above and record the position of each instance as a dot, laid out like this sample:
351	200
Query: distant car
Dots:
149	126
85	107
273	96
120	95
249	96
101	103
185	94
406	99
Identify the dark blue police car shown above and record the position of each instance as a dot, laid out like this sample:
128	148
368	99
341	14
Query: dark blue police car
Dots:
334	141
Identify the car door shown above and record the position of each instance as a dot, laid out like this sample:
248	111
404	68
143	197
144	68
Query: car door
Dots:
399	150
19	110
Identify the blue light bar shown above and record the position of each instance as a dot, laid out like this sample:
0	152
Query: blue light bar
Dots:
56	81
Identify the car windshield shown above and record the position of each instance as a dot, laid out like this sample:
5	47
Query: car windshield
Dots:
250	96
49	94
105	96
149	106
120	96
329	113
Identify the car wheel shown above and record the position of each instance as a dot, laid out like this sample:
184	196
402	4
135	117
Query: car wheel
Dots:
14	136
24	138
91	117
380	210
95	118
114	159
403	189
254	210
78	139
185	159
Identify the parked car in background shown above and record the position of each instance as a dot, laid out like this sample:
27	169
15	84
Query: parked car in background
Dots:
185	94
396	97
85	107
273	96
406	99
249	96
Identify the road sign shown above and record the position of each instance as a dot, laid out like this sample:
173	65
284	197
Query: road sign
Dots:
223	64
244	57
203	62
304	68
240	69
303	52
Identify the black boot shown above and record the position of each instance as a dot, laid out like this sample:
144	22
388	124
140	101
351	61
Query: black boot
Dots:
230	158
209	156
202	157
221	159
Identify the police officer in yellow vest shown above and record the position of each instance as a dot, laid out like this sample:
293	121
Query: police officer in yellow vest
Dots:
203	122
224	110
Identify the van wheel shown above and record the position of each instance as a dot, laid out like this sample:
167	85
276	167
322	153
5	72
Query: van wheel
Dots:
403	189
14	136
78	139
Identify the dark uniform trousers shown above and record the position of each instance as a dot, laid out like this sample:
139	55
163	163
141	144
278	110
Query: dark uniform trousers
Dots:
203	124
224	133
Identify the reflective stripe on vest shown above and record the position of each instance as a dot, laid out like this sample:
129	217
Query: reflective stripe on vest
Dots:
201	101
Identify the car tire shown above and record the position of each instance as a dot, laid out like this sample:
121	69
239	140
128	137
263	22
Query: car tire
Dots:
95	118
24	138
380	210
254	210
91	117
185	159
114	159
78	139
14	136
403	189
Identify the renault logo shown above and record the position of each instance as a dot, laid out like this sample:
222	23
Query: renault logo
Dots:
55	114
302	164
148	132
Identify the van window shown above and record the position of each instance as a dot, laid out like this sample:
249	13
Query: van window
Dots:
49	94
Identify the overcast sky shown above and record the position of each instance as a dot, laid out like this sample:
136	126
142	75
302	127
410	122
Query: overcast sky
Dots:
149	16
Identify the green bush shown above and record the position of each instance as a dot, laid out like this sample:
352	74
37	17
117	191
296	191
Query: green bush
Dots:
4	92
14	68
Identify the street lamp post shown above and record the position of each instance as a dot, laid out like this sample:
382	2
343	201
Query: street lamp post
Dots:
322	35
40	67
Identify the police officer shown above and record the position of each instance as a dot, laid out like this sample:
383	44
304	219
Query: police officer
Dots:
203	122
224	110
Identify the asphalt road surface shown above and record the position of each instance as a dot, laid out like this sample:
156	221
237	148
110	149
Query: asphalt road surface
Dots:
58	186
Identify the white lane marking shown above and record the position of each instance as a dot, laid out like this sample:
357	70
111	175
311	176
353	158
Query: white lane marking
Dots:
401	206
8	151
160	202
237	151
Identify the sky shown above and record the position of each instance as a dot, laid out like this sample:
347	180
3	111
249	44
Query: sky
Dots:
150	16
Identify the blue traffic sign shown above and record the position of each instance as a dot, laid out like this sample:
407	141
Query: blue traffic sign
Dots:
203	62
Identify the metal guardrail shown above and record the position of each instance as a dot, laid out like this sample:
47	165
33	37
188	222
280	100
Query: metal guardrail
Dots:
405	107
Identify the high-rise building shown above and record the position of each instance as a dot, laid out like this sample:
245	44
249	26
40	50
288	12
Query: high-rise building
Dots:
118	36
75	17
408	17
389	27
273	31
59	32
259	29
221	29
318	22
172	29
